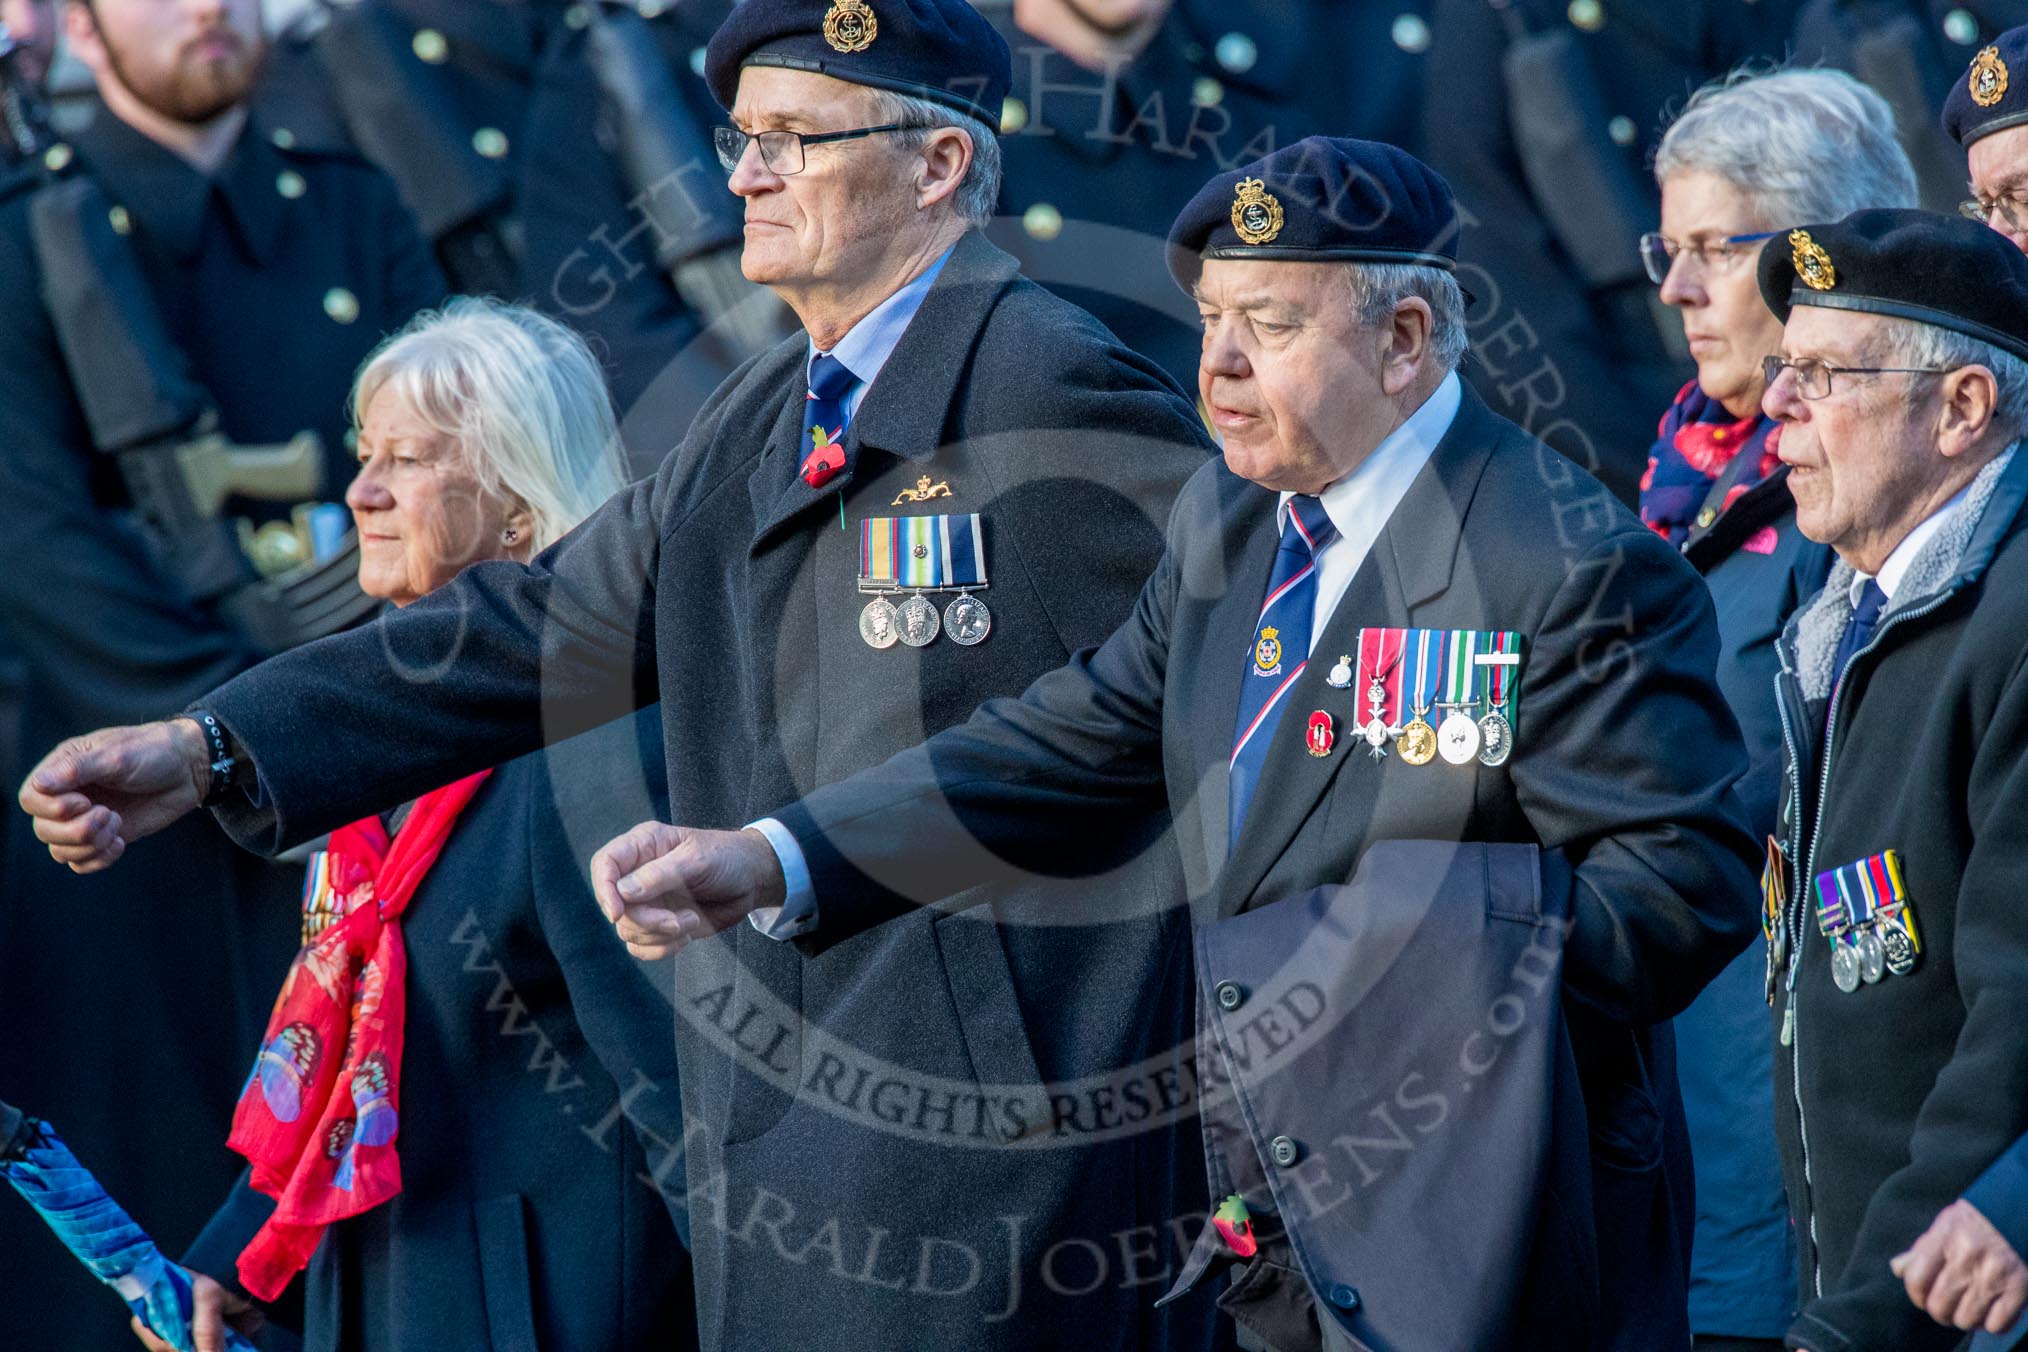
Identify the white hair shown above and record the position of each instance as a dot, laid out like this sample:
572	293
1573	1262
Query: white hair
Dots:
1912	343
521	396
1378	288
1802	145
979	193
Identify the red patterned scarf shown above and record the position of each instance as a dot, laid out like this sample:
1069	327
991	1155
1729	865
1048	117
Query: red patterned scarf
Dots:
318	1116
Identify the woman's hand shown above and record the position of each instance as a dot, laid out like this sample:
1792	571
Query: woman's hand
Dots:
96	793
212	1310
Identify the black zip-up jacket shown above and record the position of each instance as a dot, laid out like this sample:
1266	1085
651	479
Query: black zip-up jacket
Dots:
1892	1099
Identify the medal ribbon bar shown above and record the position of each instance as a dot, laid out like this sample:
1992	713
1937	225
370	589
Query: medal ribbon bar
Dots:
922	553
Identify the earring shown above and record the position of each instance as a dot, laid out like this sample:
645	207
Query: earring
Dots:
511	535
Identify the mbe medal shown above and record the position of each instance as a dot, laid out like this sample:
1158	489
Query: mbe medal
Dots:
1377	663
918	622
1844	967
1458	737
1872	956
967	620
1375	733
877	623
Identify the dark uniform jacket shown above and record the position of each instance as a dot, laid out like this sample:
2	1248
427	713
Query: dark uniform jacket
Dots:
529	1216
845	1180
274	300
1760	569
1647	853
1892	1099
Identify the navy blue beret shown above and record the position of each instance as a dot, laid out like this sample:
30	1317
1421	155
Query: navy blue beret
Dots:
1322	199
943	50
1920	265
1991	97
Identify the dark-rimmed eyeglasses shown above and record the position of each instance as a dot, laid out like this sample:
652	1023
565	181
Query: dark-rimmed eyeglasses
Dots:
1813	377
2012	206
1658	251
782	151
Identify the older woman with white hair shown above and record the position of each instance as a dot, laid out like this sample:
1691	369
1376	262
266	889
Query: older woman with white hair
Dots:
1749	156
466	1081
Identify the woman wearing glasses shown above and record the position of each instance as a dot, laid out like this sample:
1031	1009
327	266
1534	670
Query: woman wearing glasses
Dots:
1748	155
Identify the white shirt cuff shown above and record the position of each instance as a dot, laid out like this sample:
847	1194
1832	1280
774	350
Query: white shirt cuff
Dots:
798	912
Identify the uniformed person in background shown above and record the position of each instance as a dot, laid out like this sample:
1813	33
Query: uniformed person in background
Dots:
1911	52
999	464
1544	115
1987	115
275	272
32	26
1898	945
1119	108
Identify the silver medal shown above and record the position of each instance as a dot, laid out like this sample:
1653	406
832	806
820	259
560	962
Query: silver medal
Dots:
1845	967
918	622
1458	737
967	620
1900	953
1496	735
877	623
1872	957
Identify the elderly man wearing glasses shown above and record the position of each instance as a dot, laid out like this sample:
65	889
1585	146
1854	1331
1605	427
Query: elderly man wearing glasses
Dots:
1748	155
1898	952
1987	114
950	483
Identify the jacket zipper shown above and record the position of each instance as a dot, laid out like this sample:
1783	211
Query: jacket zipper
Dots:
1804	861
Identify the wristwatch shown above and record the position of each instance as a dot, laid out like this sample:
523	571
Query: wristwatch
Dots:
229	767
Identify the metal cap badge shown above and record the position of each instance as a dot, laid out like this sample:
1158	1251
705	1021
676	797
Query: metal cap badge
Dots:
1987	79
849	26
1256	215
1812	264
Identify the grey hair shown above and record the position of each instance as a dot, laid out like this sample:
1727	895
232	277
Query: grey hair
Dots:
1802	145
522	397
979	194
1912	343
1378	288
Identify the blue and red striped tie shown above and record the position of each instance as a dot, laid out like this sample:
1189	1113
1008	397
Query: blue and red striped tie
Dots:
1281	645
823	452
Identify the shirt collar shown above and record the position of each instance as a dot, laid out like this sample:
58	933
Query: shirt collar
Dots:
1896	566
170	198
1377	485
868	344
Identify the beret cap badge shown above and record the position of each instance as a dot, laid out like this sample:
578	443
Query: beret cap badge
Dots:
1812	264
849	26
1256	215
1987	80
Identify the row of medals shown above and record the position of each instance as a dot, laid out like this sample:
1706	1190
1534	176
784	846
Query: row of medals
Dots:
1459	738
915	622
1870	956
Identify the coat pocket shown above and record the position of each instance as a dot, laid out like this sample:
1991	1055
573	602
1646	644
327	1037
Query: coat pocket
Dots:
502	1228
981	986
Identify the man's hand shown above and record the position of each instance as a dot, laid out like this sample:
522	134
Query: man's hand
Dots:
663	886
213	1308
96	793
1962	1272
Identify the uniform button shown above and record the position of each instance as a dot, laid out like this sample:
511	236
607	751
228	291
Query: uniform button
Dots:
577	16
122	223
290	184
283	137
1284	1151
429	45
1622	130
1230	996
490	142
1206	92
1013	116
57	158
1706	517
1410	33
1344	1297
1961	27
1042	221
1587	14
697	55
1237	53
341	305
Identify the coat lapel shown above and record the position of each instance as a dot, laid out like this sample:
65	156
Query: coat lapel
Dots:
1412	563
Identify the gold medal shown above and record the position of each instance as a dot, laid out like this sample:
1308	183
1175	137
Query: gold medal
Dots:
1418	740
